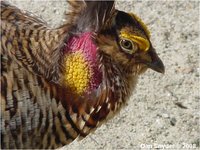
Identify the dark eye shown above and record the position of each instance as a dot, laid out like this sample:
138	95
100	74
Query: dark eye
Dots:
128	46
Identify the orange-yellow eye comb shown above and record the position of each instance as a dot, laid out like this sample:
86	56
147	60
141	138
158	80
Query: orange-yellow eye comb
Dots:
142	42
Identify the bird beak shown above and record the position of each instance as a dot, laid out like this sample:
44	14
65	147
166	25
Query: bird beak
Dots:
156	63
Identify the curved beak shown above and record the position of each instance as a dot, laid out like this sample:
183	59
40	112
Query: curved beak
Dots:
156	63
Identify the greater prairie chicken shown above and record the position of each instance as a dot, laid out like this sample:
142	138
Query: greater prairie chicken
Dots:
58	84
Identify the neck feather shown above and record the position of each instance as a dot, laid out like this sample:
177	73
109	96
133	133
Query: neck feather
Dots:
91	110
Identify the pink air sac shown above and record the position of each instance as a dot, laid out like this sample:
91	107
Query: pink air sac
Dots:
83	43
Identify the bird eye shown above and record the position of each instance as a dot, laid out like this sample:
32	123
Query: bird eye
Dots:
128	46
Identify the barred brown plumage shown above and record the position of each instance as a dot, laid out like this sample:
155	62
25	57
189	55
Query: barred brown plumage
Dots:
40	109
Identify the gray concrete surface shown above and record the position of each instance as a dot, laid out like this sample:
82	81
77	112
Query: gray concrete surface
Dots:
164	109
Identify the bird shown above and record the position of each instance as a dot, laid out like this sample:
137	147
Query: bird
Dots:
61	83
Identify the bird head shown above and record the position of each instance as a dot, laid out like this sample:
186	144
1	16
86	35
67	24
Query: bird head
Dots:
126	40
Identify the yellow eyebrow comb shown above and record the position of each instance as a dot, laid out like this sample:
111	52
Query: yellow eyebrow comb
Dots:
142	42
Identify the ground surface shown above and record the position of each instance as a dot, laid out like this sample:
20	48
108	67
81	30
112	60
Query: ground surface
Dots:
164	109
